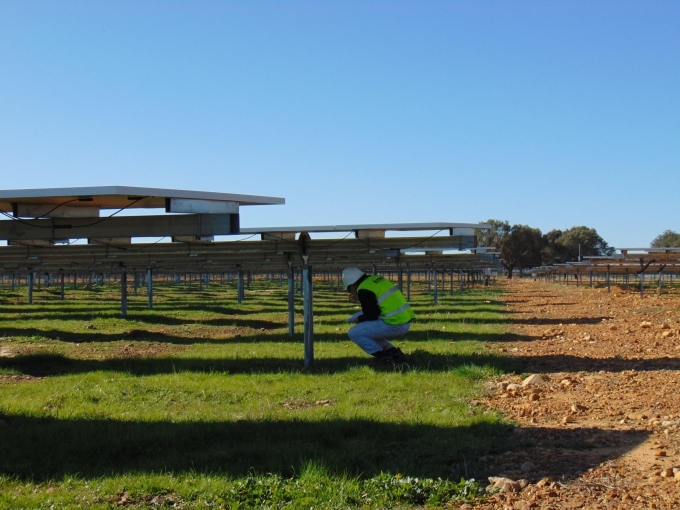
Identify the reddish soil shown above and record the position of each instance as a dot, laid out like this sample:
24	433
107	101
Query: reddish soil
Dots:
603	429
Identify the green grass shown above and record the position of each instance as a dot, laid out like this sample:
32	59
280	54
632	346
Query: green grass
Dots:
204	402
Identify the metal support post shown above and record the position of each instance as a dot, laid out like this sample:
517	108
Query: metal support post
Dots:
123	293
149	286
250	278
400	277
308	315
408	282
436	288
609	287
75	281
291	300
241	290
591	279
660	282
61	296
30	279
429	285
13	280
461	280
135	282
642	285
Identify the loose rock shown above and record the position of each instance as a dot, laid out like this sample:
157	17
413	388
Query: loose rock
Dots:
529	467
504	484
533	380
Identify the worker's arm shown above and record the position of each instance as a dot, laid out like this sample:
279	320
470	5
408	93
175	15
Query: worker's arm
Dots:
369	306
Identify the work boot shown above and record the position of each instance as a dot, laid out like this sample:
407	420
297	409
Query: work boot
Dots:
391	356
382	358
397	355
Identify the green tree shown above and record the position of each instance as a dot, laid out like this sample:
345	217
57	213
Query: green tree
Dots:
566	246
521	248
553	252
495	235
668	238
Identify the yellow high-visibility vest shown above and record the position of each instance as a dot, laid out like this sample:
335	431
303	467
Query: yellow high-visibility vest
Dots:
394	309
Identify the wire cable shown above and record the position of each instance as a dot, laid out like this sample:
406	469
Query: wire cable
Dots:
23	221
406	248
77	226
111	215
123	248
294	243
41	216
336	242
57	207
249	237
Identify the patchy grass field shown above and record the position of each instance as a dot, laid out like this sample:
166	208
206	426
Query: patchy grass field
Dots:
202	402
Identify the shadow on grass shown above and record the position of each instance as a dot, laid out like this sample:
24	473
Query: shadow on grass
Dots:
262	331
548	321
234	318
40	449
39	365
443	313
565	363
136	314
42	365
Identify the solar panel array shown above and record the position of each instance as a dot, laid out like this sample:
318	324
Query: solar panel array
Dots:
638	264
42	223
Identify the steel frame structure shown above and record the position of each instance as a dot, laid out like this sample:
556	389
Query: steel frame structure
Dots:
41	219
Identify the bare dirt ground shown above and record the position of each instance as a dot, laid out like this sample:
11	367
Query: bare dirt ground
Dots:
602	430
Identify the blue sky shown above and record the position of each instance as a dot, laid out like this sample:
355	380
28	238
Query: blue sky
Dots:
547	113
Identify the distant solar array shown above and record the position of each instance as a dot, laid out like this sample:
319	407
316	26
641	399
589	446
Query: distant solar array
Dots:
636	263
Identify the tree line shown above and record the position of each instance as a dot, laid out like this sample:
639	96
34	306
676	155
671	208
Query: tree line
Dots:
668	238
523	247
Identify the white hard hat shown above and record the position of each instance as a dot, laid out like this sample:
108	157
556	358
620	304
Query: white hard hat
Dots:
351	275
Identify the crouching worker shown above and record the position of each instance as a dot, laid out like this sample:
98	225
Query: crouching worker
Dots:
385	314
